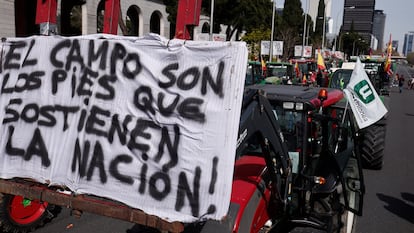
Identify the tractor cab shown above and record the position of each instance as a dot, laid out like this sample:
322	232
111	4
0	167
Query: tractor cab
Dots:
254	73
374	67
320	136
279	73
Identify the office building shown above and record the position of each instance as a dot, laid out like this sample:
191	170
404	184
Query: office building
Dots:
408	43
358	17
358	14
395	45
378	27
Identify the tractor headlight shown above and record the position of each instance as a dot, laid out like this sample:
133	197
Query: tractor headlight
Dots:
293	106
288	105
299	106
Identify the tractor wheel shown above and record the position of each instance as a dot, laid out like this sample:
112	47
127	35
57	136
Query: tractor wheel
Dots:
21	215
372	146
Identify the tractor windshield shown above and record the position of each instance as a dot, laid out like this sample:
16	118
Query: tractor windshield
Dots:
277	71
340	79
291	124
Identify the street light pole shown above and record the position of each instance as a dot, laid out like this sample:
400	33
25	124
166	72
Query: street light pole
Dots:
211	20
340	46
336	36
353	46
307	34
304	29
273	26
323	28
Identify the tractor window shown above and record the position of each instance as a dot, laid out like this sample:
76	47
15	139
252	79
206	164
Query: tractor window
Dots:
249	75
291	124
340	79
253	74
315	139
277	71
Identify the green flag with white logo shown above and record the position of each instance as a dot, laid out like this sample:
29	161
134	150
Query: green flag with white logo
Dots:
363	99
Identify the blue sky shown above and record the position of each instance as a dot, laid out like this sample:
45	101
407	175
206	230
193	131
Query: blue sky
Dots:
399	16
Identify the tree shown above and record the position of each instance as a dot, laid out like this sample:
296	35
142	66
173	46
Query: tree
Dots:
293	15
292	26
287	35
254	38
171	7
242	15
238	16
317	38
310	34
410	58
348	40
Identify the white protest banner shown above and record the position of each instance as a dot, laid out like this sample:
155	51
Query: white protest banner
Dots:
298	51
306	52
366	105
146	121
277	48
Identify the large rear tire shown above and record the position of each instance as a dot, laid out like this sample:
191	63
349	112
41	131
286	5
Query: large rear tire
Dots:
21	215
372	147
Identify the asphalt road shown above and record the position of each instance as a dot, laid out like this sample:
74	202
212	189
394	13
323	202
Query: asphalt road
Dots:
389	199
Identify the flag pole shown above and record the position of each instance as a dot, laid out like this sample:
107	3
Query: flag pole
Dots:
342	123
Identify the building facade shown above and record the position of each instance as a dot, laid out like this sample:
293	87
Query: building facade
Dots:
378	27
395	45
408	43
358	16
80	17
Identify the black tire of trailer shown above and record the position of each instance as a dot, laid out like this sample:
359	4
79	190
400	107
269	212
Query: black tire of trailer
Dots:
14	218
372	146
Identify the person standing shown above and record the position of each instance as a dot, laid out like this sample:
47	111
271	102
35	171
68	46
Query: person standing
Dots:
401	82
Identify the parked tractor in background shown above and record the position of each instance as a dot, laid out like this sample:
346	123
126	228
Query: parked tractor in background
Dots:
372	138
279	73
309	72
254	73
273	73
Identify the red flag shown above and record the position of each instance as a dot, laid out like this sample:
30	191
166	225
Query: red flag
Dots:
111	16
46	11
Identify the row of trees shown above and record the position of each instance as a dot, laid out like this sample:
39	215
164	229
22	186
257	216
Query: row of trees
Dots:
253	18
